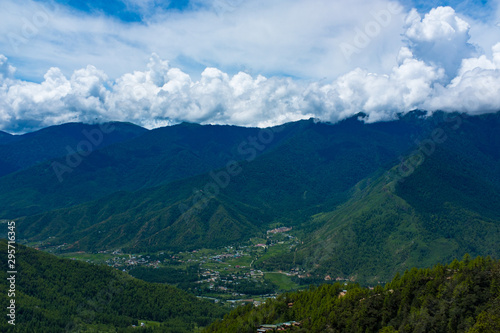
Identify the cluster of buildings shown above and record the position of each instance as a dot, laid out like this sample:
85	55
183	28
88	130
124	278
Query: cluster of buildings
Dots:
279	230
221	257
338	279
117	262
216	282
277	327
237	302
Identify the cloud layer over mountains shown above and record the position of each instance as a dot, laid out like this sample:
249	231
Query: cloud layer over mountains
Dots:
436	68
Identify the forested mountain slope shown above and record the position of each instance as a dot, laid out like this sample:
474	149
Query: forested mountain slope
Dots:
460	297
367	200
157	157
310	172
440	202
23	151
62	295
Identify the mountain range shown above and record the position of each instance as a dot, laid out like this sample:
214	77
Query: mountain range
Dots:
19	152
367	199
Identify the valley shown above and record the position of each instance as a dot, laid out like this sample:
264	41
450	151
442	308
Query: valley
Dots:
182	211
230	275
230	166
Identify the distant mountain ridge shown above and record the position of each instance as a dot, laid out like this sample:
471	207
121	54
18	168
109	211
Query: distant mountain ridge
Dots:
23	151
157	157
311	169
369	199
6	137
445	205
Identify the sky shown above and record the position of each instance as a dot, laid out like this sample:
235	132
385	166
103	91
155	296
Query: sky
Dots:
243	62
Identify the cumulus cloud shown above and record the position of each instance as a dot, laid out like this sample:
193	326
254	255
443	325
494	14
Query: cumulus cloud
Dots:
6	70
441	38
380	96
162	94
291	37
475	90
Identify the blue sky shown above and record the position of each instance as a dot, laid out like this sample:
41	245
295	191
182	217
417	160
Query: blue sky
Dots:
119	9
243	62
62	49
124	11
480	9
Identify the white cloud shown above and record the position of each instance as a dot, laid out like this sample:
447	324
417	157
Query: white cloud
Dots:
283	37
419	76
441	38
6	70
440	23
380	96
496	54
475	90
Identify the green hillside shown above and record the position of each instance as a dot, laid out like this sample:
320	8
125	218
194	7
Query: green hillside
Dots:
7	138
24	151
158	157
378	233
62	295
360	213
182	151
310	172
459	297
447	205
149	220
